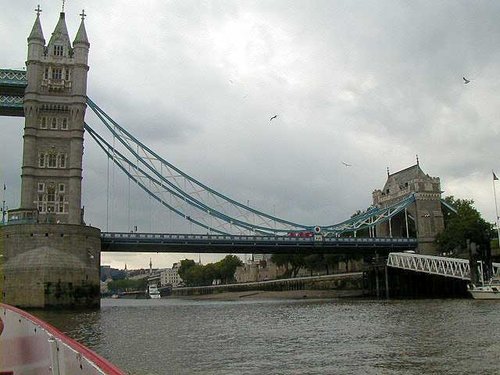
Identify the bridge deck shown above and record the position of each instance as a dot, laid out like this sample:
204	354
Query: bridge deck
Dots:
200	243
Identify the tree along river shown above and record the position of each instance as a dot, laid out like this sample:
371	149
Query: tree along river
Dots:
175	336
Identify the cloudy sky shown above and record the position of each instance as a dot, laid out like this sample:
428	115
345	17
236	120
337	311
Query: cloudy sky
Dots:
370	83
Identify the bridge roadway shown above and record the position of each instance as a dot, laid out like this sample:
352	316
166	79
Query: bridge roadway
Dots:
244	244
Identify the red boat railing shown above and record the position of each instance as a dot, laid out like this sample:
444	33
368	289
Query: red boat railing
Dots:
30	345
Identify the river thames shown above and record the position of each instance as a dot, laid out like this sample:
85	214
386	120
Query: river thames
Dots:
176	336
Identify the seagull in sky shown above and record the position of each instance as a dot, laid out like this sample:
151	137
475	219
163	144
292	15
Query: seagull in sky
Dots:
347	164
272	118
466	81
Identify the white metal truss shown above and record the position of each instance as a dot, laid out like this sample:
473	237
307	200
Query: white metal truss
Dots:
449	267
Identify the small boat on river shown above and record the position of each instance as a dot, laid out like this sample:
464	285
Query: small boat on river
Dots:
28	345
489	290
153	292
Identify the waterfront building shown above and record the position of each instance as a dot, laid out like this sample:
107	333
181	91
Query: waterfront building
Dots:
170	276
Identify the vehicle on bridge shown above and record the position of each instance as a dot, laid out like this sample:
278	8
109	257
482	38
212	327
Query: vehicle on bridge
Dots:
301	234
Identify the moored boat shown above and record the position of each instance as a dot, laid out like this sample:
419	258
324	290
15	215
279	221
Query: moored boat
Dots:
486	291
28	345
153	292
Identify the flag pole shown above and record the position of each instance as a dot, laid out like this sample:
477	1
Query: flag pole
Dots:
495	178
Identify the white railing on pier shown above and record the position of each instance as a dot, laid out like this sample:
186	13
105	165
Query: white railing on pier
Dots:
449	267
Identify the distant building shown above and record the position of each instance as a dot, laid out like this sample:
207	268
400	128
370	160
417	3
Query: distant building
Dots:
166	276
261	257
171	275
258	271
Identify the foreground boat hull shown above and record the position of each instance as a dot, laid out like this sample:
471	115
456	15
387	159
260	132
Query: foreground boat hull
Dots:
29	346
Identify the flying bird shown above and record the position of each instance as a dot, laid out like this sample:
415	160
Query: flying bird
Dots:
347	164
272	118
466	81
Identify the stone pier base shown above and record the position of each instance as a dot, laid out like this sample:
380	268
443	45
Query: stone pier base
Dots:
51	265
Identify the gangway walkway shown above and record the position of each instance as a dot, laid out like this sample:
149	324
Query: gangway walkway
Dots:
443	266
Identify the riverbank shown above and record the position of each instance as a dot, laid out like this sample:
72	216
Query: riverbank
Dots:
282	295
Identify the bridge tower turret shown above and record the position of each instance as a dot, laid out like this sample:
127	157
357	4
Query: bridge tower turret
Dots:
425	215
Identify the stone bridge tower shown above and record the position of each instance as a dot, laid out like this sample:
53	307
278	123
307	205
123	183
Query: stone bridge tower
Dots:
54	108
425	216
51	257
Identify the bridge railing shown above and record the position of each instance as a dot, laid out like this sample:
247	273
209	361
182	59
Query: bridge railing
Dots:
13	77
443	266
450	267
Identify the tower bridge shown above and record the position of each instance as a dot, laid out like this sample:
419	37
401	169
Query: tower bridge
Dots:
51	94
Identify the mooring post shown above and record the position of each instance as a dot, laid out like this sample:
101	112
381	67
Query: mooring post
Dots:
386	282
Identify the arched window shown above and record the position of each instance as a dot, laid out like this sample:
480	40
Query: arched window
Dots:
60	205
41	160
51	197
52	160
62	160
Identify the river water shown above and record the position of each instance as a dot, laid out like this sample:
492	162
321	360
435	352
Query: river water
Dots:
174	336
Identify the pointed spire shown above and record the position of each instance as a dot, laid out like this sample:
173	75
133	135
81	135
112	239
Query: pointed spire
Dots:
36	31
60	33
81	35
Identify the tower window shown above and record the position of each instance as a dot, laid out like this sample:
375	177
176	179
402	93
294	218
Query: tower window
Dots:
51	194
41	160
64	124
61	188
43	122
57	73
58	50
53	123
62	160
41	187
53	200
66	74
60	206
52	162
46	73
